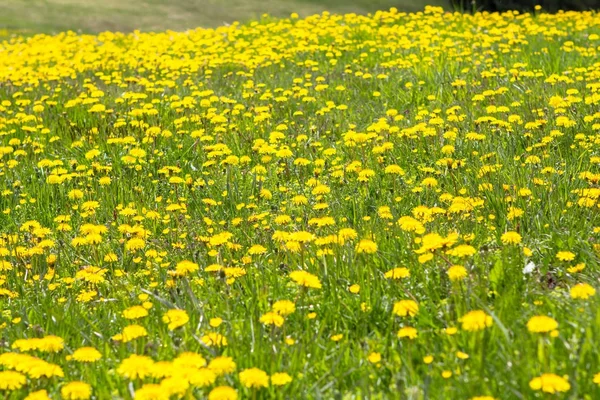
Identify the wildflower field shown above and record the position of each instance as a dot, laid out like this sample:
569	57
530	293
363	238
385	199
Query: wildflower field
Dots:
342	206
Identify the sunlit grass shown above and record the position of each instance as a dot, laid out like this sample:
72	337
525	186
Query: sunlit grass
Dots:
147	15
341	206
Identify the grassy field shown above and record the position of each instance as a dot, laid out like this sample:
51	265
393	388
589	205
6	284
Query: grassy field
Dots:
335	207
151	15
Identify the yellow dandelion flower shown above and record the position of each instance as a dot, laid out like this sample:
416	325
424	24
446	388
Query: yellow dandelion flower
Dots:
254	378
175	318
405	308
280	379
407	332
457	273
306	279
38	395
136	366
374	358
397	273
11	380
272	318
76	391
223	393
86	354
366	246
284	307
550	383
565	256
222	365
582	291
541	324
475	321
511	238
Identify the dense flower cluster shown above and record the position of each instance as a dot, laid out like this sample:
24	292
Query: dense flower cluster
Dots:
339	206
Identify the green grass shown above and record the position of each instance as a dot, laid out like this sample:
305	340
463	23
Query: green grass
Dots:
427	158
155	15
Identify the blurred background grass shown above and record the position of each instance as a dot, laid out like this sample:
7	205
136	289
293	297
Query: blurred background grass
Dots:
152	15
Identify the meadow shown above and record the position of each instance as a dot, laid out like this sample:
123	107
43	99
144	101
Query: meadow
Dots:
91	16
385	206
